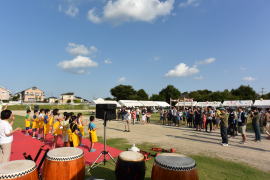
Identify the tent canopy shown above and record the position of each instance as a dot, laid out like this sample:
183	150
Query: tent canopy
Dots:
130	103
240	103
102	101
148	103
135	103
162	104
186	104
262	103
206	104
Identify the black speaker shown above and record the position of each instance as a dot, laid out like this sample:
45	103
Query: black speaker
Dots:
107	111
36	107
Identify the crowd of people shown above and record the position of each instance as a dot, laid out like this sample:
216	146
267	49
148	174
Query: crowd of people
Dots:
67	127
133	115
230	121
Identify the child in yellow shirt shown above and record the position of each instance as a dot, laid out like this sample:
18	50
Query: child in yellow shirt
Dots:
27	122
92	134
57	130
35	124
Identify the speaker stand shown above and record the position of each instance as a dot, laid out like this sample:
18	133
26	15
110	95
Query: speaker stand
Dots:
104	152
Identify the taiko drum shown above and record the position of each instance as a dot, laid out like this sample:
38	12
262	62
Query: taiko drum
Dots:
65	163
130	166
170	166
19	170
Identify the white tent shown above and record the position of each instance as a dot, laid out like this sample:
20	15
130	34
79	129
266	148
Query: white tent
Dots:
186	104
162	104
240	103
149	103
130	103
262	103
206	104
102	101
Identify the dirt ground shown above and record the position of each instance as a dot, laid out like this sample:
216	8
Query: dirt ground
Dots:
188	141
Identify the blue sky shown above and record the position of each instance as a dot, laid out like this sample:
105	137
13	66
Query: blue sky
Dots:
90	46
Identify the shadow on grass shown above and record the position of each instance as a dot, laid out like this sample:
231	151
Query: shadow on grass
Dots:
209	142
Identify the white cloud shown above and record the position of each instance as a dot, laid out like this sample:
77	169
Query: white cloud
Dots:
78	65
182	70
187	3
207	61
107	61
79	49
122	79
248	79
70	9
132	10
93	17
199	78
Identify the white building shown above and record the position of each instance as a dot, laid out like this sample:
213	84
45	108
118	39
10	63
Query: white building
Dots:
4	94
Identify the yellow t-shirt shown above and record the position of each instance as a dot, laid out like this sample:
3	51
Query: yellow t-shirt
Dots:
35	123
27	121
56	128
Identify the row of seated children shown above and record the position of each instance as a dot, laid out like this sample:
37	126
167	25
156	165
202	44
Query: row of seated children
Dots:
67	127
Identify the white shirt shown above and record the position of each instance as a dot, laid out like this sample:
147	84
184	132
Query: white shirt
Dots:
5	128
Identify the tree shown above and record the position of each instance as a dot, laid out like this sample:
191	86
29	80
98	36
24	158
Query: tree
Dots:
156	97
142	95
16	97
123	92
244	93
170	92
109	98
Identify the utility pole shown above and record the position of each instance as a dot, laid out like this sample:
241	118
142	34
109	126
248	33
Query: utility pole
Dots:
263	91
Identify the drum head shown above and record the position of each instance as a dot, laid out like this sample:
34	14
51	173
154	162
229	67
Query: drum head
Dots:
175	162
15	169
131	156
64	154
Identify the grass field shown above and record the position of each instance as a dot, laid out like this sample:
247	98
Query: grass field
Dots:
209	168
61	107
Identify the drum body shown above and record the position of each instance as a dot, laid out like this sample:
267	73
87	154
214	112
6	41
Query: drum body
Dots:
19	170
65	163
130	166
169	166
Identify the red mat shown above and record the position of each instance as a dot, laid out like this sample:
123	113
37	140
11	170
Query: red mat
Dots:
23	143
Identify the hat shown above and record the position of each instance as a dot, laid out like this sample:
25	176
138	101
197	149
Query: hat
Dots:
222	109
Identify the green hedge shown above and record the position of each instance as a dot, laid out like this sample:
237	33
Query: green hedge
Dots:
61	107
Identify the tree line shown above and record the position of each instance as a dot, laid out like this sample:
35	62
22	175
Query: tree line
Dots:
127	92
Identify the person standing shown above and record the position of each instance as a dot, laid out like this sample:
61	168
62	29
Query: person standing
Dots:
267	123
256	124
127	119
138	114
198	117
133	116
242	124
92	134
209	119
224	127
6	135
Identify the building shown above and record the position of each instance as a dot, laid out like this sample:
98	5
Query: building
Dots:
32	95
67	98
52	100
4	94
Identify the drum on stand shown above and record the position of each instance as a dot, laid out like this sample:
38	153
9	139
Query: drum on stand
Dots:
130	166
19	170
170	166
64	164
